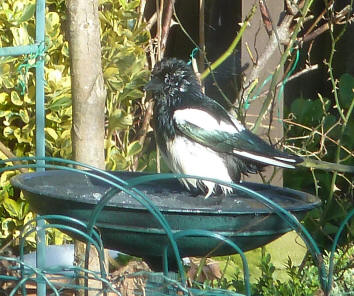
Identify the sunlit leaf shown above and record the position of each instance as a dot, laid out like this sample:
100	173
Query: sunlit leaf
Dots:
24	115
12	207
3	98
4	69
110	71
20	36
15	98
52	24
51	132
8	131
120	120
28	12
133	148
61	102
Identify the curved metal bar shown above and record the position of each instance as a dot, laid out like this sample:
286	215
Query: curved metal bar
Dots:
68	228
280	211
135	193
335	242
142	199
26	278
42	273
207	233
64	218
98	244
65	161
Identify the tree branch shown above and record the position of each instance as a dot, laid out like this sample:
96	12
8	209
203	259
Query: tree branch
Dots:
9	154
284	57
165	30
232	47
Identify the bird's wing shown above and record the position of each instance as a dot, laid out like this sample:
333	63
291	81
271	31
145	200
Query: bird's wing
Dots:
229	136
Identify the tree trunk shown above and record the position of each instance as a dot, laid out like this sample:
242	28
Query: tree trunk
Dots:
88	92
88	101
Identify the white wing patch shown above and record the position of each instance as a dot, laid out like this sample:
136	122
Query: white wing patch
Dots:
188	157
206	121
285	159
266	160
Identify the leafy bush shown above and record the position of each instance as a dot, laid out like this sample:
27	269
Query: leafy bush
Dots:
302	280
124	65
123	41
317	131
17	99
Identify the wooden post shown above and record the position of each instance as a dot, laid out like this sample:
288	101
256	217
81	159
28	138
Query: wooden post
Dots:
88	100
88	90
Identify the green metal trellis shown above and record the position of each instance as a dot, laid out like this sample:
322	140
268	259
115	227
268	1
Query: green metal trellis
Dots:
38	46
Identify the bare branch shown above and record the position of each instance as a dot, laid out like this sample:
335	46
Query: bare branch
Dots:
143	131
270	49
201	35
168	11
5	150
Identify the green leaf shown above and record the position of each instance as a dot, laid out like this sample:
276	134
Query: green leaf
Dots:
330	228
53	117
51	132
28	12
109	72
20	36
8	131
15	99
307	111
52	24
133	148
131	94
12	207
119	119
60	103
24	115
4	69
7	226
5	113
3	98
346	90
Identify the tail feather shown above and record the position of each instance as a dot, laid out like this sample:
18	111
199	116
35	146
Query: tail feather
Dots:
286	161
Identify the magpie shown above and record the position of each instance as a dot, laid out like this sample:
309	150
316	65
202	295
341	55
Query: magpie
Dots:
197	136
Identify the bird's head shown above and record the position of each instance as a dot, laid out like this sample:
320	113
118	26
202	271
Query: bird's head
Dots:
170	77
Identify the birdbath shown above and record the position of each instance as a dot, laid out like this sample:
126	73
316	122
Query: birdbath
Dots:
127	226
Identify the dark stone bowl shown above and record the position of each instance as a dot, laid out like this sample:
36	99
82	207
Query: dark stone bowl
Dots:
127	226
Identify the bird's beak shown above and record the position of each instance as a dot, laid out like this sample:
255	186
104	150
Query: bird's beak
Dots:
153	85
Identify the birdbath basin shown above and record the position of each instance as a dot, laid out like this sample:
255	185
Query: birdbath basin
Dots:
127	226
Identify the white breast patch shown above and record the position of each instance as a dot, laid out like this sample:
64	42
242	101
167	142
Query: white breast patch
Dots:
191	158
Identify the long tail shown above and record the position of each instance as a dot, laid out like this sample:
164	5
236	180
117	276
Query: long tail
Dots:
326	166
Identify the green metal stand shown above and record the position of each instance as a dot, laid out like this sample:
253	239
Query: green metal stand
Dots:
39	46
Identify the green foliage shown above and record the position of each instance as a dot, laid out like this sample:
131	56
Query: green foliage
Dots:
124	69
17	101
124	66
15	213
302	280
318	131
17	105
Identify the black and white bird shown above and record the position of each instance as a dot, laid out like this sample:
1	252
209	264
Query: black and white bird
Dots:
197	136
